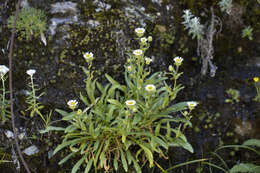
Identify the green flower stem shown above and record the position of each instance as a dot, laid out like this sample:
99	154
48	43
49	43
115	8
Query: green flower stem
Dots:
175	77
257	90
33	92
3	99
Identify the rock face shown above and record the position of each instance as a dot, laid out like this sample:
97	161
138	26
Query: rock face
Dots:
65	13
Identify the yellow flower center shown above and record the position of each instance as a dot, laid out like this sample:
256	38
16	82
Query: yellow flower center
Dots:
256	79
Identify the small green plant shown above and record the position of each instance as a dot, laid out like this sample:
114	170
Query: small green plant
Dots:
4	103
257	87
247	32
3	155
126	125
34	107
233	96
192	23
241	167
225	6
30	22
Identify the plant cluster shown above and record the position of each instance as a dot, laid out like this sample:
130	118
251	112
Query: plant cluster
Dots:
225	6
30	22
192	23
233	96
247	32
126	125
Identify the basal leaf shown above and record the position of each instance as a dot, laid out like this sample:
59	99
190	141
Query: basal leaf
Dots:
77	165
52	128
252	142
245	168
66	158
64	144
89	165
125	166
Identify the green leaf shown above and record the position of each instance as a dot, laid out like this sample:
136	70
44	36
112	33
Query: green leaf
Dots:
84	99
115	83
157	129
70	116
111	80
137	167
66	158
115	102
161	142
116	163
168	133
176	107
70	128
90	88
123	160
129	157
64	144
245	168
148	154
96	145
181	143
137	119
77	165
96	155
252	142
52	128
87	169
63	113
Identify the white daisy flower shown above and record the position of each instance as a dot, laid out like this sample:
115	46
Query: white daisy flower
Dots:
192	104
138	52
178	60
139	32
150	88
130	102
30	72
72	104
3	70
88	56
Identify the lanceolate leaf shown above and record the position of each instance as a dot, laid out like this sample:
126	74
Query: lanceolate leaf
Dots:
123	160
63	113
52	128
77	165
176	107
89	165
148	154
252	142
64	144
66	158
245	168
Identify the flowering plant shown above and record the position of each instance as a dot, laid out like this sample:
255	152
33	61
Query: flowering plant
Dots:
34	106
122	126
4	103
